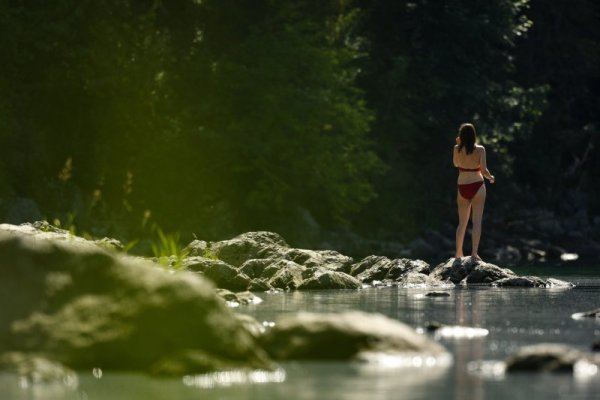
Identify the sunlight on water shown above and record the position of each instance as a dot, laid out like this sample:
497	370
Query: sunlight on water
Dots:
229	378
404	360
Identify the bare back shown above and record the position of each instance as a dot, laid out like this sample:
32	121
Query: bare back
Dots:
470	161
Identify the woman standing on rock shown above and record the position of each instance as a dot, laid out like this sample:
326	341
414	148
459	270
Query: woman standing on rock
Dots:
470	160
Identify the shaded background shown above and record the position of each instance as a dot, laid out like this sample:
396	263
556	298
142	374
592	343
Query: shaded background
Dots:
325	121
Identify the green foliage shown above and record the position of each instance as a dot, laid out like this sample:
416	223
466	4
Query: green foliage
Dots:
167	246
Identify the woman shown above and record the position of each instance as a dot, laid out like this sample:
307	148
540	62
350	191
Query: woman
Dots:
469	158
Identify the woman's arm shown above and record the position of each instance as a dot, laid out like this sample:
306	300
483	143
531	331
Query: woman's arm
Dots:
455	156
484	170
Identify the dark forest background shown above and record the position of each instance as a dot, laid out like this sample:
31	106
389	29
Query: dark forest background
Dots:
303	117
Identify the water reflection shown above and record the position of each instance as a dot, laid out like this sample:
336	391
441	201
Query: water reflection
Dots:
512	317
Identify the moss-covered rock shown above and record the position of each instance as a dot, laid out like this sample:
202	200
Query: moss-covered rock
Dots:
75	303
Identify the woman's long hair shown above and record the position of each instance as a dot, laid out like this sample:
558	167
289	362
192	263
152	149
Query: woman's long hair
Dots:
467	135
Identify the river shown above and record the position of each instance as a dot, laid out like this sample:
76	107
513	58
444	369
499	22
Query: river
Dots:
512	318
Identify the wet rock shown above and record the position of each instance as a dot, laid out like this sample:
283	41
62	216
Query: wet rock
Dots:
343	336
544	357
532	281
588	314
327	279
75	303
456	270
437	294
419	280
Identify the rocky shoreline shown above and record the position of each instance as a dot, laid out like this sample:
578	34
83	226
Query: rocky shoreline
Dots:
83	304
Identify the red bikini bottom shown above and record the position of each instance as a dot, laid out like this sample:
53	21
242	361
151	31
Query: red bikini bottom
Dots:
469	190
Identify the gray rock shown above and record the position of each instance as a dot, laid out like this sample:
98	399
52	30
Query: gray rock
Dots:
75	303
227	277
343	336
368	263
259	285
248	246
254	268
457	270
544	357
198	263
419	280
521	281
319	258
288	275
588	314
327	279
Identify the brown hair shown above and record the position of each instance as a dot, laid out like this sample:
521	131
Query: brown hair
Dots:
468	137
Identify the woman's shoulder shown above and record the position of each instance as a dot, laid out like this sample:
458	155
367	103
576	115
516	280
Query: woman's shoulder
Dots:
479	148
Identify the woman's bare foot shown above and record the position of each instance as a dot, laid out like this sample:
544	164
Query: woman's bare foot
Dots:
476	257
458	256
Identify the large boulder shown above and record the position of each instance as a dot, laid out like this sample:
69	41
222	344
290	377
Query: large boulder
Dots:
379	268
469	270
241	248
75	303
343	336
544	357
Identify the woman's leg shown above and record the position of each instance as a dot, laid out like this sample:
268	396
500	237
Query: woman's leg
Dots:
477	204
464	209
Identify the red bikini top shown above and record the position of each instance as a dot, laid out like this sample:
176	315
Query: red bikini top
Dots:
469	169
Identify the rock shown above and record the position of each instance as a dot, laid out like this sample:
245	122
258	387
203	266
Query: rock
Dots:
327	279
259	285
343	336
419	280
522	281
377	268
370	262
196	248
544	357
75	303
437	294
199	263
320	258
247	297
487	273
227	277
247	246
588	314
287	275
456	270
254	268
37	369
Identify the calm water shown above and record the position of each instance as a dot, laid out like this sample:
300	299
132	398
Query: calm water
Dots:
514	317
